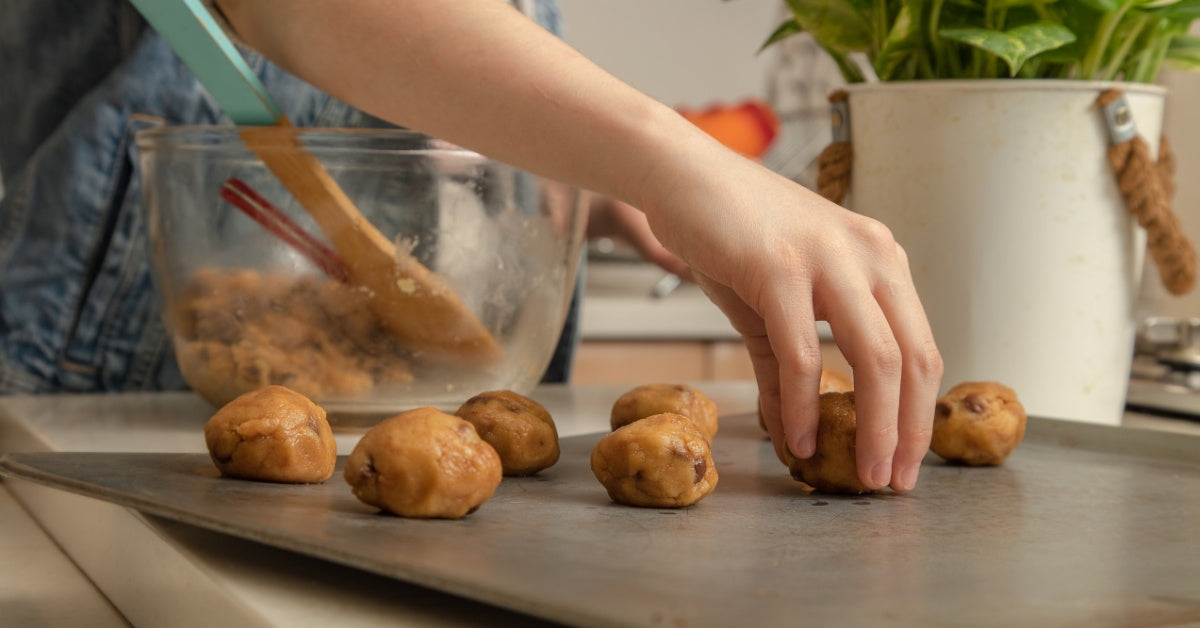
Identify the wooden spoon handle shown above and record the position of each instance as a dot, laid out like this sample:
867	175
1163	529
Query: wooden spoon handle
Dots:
411	301
312	185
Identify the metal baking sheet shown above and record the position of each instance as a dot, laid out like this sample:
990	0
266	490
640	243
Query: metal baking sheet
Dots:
1085	525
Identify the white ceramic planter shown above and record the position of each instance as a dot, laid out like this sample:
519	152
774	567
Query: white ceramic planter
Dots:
1023	253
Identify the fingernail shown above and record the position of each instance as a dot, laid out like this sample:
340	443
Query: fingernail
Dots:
908	477
881	475
804	447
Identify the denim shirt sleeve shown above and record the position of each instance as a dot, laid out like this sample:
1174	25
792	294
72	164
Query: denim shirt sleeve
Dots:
78	309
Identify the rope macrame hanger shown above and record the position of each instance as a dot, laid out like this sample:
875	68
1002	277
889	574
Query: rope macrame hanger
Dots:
834	162
1146	185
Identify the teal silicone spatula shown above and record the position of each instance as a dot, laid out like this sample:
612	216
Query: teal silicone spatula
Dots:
411	302
197	38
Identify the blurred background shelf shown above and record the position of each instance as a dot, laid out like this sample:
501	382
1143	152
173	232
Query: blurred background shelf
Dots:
628	335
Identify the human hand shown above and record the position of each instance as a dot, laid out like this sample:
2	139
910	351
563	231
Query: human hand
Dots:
610	218
775	258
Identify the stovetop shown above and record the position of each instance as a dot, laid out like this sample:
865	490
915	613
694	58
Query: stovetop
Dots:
1165	377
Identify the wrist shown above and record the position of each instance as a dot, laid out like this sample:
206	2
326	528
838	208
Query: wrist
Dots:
685	170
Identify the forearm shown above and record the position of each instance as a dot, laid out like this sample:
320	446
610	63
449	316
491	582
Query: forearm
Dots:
479	74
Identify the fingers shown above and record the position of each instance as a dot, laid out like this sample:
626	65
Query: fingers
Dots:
792	331
631	225
883	332
866	340
766	373
788	378
612	218
654	253
920	378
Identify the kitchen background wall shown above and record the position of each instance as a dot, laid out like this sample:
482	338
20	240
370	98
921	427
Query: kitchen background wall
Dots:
698	52
681	52
1182	127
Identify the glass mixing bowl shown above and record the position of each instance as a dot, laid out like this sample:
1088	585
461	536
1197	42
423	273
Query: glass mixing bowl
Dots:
482	260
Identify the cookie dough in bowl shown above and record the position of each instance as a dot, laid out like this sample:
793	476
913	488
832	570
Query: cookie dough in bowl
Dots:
273	434
660	461
520	429
650	399
423	463
978	424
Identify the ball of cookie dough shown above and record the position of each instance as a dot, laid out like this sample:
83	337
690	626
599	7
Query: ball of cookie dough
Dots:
832	380
978	424
650	399
423	463
520	429
661	461
831	469
273	434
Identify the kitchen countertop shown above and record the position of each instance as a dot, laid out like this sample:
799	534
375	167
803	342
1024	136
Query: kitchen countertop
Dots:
157	571
39	585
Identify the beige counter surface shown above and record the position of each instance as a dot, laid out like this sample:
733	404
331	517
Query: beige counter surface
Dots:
153	572
39	585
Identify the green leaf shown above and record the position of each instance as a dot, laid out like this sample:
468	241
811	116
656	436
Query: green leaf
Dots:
1104	6
1016	45
1184	52
785	30
1008	4
1179	11
849	70
1077	19
901	41
971	5
837	25
906	26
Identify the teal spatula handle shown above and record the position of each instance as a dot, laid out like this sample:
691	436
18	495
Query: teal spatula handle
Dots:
197	38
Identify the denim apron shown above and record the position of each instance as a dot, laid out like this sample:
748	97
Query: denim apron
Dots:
78	310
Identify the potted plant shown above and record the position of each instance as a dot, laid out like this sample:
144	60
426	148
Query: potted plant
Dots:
976	130
905	40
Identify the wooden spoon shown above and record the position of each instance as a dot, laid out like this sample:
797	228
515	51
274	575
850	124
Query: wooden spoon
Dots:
411	301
